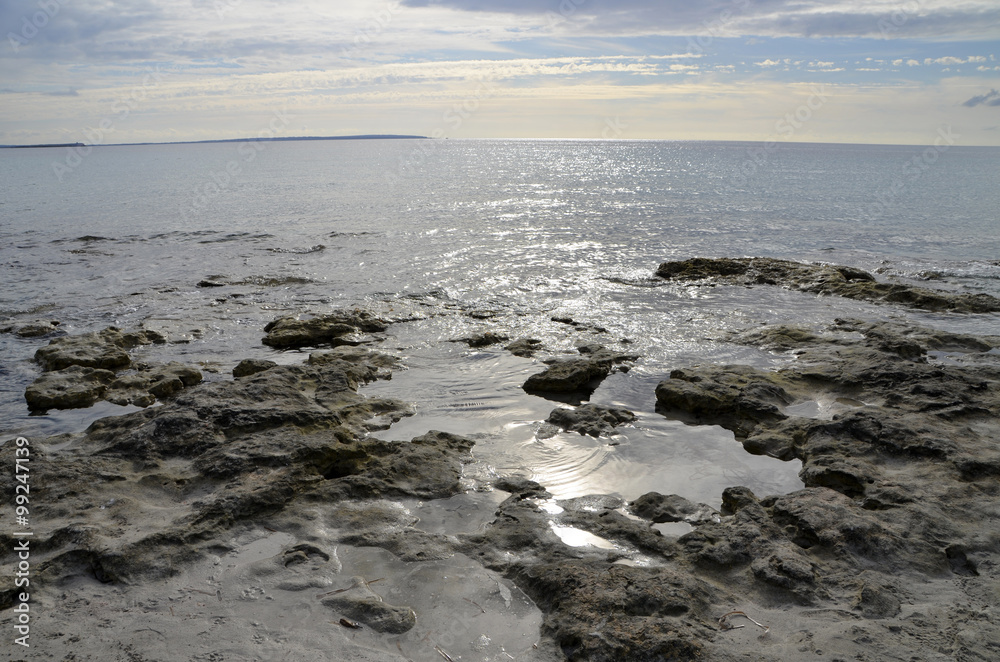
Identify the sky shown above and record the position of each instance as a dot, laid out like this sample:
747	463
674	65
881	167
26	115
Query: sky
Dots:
854	71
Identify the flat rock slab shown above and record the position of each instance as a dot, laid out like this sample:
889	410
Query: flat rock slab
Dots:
106	350
34	329
659	508
591	419
331	329
70	388
848	282
577	376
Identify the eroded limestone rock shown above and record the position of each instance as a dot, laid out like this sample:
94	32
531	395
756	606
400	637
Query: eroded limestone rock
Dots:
337	328
844	281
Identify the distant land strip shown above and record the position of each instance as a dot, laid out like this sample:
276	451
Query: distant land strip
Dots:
230	140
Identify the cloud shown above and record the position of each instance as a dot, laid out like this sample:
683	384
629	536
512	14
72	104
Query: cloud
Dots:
971	19
991	98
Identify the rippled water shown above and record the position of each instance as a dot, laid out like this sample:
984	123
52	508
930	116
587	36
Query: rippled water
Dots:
519	230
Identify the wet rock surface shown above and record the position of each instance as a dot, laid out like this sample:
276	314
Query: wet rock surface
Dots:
524	347
338	328
898	452
577	378
80	370
591	419
848	282
106	350
889	553
33	329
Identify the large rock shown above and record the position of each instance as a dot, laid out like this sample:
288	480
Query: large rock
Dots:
218	454
35	329
106	350
150	383
577	376
591	419
844	281
337	328
660	508
69	388
736	397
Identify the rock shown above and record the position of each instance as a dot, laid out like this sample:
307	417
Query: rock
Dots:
838	280
332	329
658	509
215	455
69	388
576	376
877	601
735	397
169	379
483	339
520	486
591	419
569	376
362	604
150	383
105	350
36	329
524	347
130	390
248	367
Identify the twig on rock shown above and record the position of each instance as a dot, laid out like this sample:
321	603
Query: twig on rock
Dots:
725	625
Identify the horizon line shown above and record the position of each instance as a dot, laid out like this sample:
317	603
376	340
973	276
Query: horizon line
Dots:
377	136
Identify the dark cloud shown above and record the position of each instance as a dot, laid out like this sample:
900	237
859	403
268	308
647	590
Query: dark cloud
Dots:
797	18
991	98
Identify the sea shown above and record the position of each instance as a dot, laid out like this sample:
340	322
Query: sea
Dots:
459	237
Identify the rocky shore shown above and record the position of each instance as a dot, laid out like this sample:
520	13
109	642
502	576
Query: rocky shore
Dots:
223	506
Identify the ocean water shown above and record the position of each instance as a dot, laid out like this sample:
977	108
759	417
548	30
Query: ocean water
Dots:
516	232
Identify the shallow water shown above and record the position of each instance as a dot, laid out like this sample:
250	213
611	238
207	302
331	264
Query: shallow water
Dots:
516	232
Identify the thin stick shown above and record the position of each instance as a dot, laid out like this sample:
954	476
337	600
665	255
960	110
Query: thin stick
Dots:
723	624
475	603
443	654
350	588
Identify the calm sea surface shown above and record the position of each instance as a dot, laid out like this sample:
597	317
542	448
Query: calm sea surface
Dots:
525	229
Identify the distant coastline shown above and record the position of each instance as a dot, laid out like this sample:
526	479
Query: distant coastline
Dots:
229	140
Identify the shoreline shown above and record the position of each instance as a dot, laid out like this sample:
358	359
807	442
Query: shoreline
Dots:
269	485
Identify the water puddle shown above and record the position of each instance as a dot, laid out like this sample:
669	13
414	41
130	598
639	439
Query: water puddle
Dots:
823	409
478	394
578	538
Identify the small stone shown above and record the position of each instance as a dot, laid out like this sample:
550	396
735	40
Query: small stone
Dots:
248	367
